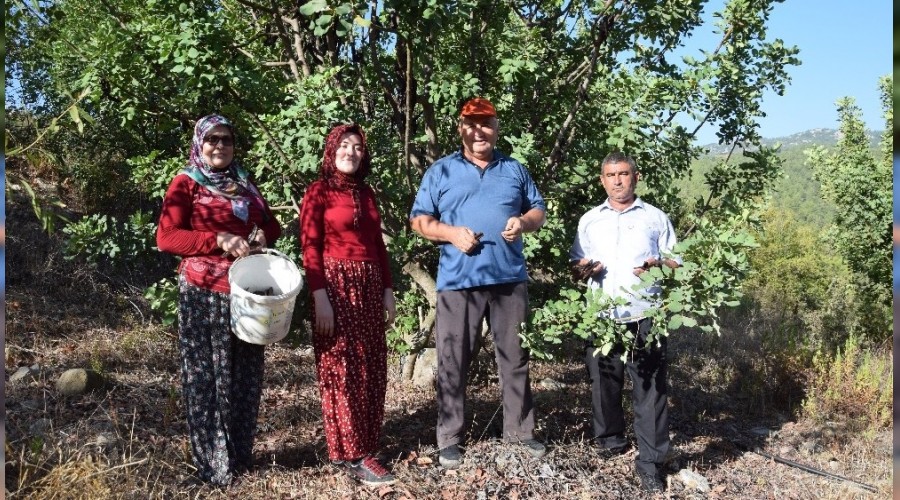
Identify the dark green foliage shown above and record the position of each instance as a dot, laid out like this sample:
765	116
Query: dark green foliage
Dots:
860	185
571	83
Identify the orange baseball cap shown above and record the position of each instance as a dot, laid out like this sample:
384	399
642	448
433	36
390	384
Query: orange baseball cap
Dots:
478	106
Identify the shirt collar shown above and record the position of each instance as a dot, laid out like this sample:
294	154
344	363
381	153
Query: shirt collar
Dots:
638	203
496	155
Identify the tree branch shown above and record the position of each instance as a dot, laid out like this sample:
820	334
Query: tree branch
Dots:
603	25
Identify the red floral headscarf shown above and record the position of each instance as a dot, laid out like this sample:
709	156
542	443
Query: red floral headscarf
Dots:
329	172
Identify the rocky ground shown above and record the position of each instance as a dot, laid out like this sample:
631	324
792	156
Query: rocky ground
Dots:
128	439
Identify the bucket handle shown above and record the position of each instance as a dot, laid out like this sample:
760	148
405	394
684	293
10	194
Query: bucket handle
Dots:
270	251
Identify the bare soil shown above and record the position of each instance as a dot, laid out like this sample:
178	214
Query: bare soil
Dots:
129	440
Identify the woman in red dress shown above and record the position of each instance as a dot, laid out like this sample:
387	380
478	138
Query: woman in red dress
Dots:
349	277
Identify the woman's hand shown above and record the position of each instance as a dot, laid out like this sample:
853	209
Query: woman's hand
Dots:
324	313
257	240
390	306
233	244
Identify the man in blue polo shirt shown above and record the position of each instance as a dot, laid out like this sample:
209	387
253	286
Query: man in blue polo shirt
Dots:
616	242
476	203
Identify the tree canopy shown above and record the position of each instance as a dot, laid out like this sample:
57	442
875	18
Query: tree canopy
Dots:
571	81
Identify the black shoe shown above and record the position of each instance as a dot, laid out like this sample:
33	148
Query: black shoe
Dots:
534	447
650	482
370	472
450	457
611	453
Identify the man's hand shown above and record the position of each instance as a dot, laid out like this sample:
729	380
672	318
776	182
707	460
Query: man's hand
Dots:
514	228
464	239
584	268
654	262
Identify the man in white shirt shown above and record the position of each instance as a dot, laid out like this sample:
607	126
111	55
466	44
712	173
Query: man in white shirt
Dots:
617	242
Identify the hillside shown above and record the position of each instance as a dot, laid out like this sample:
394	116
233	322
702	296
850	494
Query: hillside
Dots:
798	190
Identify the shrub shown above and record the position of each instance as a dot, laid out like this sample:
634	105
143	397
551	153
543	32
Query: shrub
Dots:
855	384
162	297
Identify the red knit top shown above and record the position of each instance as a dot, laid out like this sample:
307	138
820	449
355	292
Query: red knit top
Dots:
191	217
326	230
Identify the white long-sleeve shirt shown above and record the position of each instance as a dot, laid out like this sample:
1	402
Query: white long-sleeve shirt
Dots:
623	241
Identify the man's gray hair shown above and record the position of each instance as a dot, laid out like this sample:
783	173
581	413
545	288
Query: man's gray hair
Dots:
619	157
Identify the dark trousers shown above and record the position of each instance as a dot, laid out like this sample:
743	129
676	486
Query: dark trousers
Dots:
221	378
647	369
459	317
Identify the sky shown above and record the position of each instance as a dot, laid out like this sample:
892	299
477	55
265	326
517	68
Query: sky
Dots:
845	48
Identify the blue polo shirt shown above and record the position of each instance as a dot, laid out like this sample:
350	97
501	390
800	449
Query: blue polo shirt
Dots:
457	192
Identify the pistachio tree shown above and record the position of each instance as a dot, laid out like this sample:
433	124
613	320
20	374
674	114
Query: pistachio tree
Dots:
571	81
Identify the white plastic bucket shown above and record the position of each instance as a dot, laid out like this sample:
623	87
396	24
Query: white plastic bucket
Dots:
264	288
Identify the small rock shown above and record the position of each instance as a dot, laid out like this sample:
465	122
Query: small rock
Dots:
547	471
810	447
762	431
25	374
105	440
77	381
693	481
555	385
425	368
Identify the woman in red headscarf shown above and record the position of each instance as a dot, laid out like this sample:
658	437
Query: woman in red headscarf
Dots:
349	277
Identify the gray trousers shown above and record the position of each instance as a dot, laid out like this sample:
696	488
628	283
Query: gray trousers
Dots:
459	317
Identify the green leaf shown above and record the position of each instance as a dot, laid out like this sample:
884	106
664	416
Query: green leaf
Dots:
312	7
606	348
675	322
74	115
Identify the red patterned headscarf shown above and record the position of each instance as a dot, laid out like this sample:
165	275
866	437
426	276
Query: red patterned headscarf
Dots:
329	172
339	180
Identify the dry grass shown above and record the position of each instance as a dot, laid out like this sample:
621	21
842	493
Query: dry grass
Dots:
129	441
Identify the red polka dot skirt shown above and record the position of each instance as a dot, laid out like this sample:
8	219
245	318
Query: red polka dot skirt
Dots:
352	362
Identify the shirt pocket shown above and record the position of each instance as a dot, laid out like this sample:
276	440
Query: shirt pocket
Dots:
642	242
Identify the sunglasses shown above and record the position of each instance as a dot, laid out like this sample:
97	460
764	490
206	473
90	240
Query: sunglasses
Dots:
214	140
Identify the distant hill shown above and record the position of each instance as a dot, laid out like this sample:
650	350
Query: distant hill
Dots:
798	190
818	136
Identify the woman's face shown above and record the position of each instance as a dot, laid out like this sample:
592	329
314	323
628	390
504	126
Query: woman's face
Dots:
218	147
349	153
